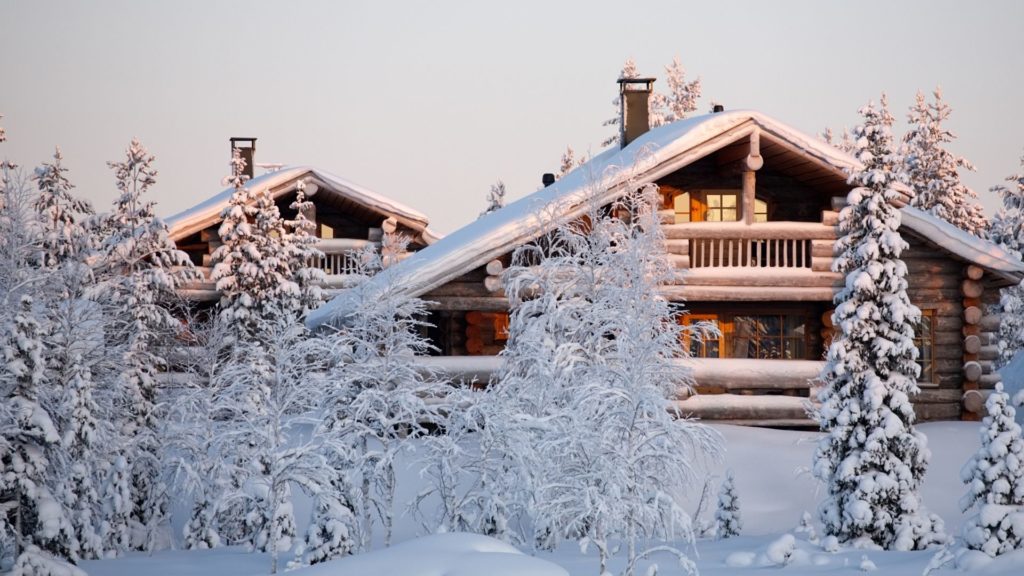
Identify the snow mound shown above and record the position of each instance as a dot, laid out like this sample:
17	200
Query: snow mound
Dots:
451	554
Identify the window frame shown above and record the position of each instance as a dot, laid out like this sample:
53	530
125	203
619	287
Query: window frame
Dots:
927	376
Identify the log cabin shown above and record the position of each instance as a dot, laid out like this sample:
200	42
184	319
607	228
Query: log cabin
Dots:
749	211
347	218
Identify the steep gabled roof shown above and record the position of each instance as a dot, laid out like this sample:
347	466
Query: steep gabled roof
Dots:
281	182
653	155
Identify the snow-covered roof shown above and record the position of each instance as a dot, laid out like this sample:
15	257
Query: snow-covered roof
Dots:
283	181
963	244
651	156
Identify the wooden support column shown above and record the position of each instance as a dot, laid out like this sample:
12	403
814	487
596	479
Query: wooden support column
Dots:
752	164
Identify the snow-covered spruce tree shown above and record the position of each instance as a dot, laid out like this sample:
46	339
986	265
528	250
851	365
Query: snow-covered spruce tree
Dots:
29	440
995	482
140	270
62	215
1007	230
269	398
727	515
380	399
628	71
871	460
933	171
594	397
75	350
303	255
252	268
333	528
495	198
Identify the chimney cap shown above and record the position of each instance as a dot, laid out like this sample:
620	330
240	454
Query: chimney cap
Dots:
623	82
717	108
251	140
547	179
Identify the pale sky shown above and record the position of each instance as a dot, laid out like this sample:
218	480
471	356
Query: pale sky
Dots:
432	102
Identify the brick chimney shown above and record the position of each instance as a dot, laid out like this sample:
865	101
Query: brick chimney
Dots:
246	148
634	94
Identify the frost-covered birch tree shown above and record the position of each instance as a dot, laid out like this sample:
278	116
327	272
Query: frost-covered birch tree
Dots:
269	402
495	198
934	172
995	481
379	398
588	382
681	99
871	459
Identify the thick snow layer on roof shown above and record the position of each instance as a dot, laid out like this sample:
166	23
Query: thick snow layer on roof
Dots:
208	211
652	155
643	159
963	244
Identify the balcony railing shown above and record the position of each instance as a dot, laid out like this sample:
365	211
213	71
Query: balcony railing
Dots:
790	245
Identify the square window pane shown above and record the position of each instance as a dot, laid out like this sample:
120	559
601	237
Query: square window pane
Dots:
714	215
729	200
680	218
760	217
728	214
714	200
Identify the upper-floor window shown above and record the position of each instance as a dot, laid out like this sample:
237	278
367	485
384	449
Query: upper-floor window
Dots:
760	210
714	206
721	206
681	205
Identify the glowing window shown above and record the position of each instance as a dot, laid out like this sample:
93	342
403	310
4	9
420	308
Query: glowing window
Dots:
760	211
721	207
682	207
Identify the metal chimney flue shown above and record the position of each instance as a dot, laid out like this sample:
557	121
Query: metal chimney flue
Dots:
634	109
547	179
247	149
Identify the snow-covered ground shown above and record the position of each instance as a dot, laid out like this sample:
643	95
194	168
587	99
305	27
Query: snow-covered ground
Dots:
771	482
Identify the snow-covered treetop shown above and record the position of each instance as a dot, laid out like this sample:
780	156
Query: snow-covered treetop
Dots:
1008	224
933	170
61	212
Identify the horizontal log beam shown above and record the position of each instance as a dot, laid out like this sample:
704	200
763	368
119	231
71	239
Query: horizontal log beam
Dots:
743	407
751	276
483	303
758	231
747	293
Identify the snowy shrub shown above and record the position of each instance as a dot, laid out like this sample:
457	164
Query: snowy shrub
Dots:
727	516
806	527
871	459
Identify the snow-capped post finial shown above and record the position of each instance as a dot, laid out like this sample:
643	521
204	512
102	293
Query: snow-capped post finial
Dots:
634	94
246	151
